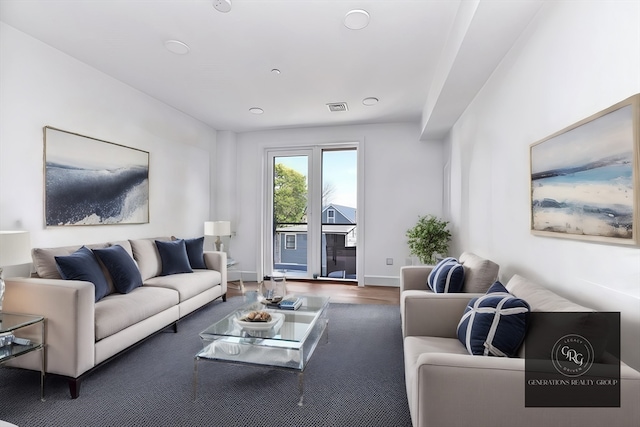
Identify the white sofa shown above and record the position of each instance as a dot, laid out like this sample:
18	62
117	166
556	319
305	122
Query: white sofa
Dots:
446	386
81	334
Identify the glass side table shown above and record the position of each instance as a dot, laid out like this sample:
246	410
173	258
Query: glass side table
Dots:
11	326
232	266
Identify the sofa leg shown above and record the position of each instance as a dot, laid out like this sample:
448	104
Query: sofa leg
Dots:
224	297
74	387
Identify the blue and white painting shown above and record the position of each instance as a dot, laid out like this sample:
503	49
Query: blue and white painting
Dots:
92	182
582	180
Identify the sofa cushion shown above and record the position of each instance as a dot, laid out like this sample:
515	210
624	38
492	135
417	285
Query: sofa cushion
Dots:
494	324
126	245
446	277
83	265
187	285
121	267
119	311
195	252
145	252
539	297
174	258
590	325
44	261
480	273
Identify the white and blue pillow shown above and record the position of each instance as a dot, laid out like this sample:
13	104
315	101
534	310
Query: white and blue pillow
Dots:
494	324
447	276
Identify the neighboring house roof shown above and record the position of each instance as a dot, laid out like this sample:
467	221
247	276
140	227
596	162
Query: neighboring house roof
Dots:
346	211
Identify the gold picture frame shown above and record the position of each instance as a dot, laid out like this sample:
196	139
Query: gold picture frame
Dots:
584	179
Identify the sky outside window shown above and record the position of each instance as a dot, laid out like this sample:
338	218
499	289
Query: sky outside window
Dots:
339	170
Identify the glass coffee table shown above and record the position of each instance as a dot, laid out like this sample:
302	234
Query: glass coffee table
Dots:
286	342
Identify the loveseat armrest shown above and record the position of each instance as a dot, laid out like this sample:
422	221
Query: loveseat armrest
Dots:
414	277
217	260
69	310
430	314
438	376
491	391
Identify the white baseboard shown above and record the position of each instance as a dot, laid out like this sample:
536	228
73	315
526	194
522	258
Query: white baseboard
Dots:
393	281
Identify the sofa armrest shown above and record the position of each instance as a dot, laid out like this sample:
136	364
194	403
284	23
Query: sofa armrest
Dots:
414	277
430	314
68	308
217	260
439	376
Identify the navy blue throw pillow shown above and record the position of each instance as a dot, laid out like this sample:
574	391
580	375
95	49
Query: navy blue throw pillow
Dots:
83	265
124	271
447	276
494	324
195	252
174	257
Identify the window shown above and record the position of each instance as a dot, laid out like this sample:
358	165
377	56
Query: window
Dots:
290	241
305	227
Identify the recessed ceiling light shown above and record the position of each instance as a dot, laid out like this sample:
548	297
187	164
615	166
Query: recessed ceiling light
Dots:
356	19
176	47
370	101
256	110
223	6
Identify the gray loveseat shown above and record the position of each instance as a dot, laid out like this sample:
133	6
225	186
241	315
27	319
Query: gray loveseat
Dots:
479	275
82	333
446	386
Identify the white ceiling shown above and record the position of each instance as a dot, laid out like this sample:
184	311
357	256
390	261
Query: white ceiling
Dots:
414	55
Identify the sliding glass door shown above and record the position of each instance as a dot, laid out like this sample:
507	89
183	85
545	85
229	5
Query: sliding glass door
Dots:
289	214
339	213
312	212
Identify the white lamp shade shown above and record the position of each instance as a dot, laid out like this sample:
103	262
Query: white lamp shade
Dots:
217	228
15	248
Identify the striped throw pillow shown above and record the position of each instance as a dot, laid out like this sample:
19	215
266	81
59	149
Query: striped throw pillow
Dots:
446	277
494	324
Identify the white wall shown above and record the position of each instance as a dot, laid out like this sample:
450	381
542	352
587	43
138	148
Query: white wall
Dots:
402	180
42	86
575	59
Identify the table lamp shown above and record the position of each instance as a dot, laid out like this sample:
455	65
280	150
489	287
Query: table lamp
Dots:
217	229
15	249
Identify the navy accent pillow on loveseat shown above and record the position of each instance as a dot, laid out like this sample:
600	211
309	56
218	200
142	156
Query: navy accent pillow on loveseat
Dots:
447	276
494	324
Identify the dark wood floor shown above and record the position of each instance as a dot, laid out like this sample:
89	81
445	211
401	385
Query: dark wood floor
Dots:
338	292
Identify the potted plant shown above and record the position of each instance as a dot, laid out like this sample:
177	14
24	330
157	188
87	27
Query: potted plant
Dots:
429	237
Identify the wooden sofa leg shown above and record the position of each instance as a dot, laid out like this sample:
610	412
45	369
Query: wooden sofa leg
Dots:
224	297
74	387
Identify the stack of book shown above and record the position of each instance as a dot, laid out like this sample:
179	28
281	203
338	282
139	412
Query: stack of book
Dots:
290	303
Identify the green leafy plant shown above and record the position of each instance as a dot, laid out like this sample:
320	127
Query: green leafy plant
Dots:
428	237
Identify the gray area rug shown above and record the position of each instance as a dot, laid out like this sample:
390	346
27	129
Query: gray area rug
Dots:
354	379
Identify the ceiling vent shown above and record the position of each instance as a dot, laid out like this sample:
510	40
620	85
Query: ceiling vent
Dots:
338	106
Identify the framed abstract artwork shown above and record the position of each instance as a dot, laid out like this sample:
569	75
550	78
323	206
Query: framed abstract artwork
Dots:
585	180
88	181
